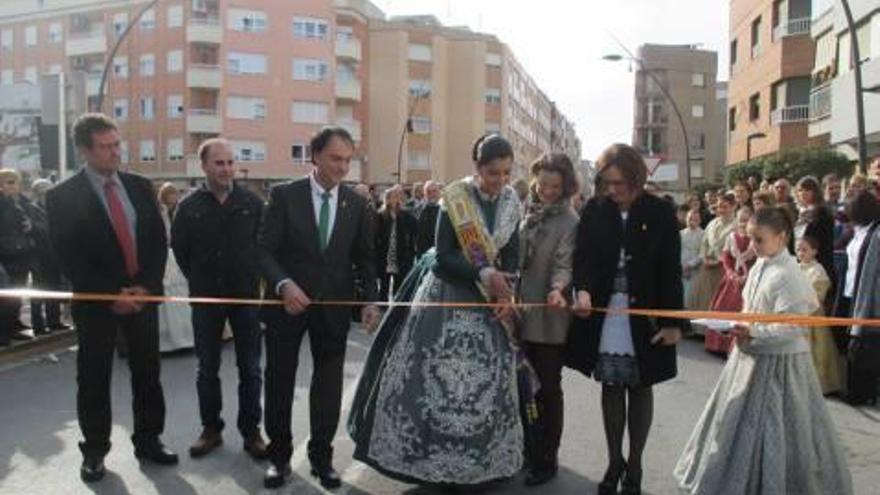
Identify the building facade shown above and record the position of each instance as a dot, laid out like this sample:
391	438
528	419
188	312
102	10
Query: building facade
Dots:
771	59
688	74
268	75
833	94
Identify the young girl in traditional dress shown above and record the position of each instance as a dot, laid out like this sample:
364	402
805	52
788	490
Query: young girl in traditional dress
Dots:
737	258
766	428
691	239
828	361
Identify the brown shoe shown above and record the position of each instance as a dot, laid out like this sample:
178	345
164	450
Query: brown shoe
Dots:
209	440
255	446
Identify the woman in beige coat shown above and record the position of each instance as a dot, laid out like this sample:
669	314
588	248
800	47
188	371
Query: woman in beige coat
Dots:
547	236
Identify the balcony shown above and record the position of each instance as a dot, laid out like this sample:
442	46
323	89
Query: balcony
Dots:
790	115
86	43
348	90
204	30
204	76
349	49
820	103
353	127
204	121
792	27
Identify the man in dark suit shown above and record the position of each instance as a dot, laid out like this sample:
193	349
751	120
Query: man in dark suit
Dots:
428	217
315	233
109	238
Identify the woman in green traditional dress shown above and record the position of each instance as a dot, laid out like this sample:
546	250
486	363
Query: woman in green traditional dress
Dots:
438	402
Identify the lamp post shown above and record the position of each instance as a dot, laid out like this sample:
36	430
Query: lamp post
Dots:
857	74
668	96
407	128
754	135
109	62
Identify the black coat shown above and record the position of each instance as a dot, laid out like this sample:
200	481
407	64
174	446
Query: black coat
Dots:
16	242
288	248
426	237
216	245
821	228
653	272
407	228
85	243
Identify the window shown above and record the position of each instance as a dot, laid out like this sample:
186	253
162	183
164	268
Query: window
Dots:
30	74
175	16
175	106
493	59
756	37
247	21
310	70
174	62
246	63
421	125
148	108
493	128
301	154
697	111
419	160
733	46
698	141
310	112
7	77
120	67
174	149
309	28
124	156
148	20
120	109
698	80
249	151
56	32
420	53
731	119
755	107
30	36
344	33
148	65
120	22
7	40
148	150
420	88
243	107
493	96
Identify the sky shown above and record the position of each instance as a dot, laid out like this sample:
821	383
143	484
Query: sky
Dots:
561	44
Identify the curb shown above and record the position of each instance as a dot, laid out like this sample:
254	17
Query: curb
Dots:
21	350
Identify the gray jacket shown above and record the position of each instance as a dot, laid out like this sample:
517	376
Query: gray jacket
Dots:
546	250
866	303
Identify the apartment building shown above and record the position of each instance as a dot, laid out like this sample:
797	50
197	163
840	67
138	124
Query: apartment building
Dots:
771	58
833	94
268	75
688	75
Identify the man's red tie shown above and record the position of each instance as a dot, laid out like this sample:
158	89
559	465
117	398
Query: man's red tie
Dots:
120	226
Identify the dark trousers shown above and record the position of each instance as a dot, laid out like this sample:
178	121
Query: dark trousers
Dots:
10	309
547	360
46	313
97	328
208	324
283	339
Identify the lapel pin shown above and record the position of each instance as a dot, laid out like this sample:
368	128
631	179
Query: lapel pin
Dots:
644	228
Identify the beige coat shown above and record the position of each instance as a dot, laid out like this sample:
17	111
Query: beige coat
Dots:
546	262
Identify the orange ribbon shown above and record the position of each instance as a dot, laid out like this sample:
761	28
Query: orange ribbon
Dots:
790	319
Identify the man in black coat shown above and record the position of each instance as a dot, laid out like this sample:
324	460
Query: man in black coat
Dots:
109	238
428	218
315	232
214	237
17	252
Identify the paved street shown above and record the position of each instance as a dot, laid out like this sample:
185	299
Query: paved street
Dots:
40	434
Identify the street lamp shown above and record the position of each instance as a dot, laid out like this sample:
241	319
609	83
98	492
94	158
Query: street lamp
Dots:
857	74
754	135
109	62
407	128
614	57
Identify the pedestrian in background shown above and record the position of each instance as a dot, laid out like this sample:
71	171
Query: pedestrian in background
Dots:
816	220
711	272
691	240
427	230
175	327
766	428
547	236
17	252
46	275
396	231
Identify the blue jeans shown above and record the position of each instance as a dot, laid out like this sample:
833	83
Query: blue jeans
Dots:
208	324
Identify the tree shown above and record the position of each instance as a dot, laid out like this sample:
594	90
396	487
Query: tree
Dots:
792	164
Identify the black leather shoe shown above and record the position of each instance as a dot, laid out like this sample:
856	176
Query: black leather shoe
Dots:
60	326
542	473
276	477
157	454
328	476
92	469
